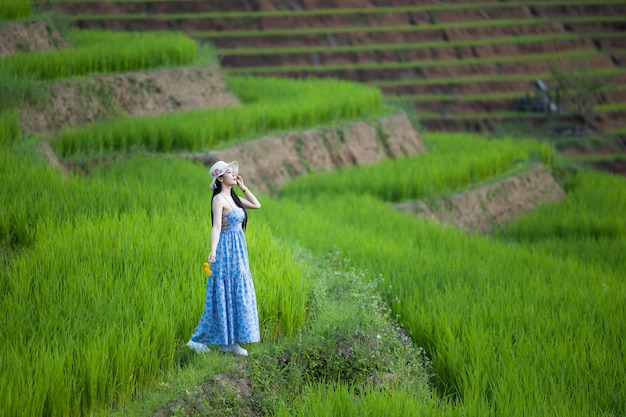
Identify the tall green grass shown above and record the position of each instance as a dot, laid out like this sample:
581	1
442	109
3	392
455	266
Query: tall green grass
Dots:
103	52
16	90
102	280
270	105
349	401
15	9
512	328
584	228
9	127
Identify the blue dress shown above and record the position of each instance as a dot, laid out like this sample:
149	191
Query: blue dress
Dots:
230	312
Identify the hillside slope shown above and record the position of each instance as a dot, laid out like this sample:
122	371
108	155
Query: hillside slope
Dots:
462	65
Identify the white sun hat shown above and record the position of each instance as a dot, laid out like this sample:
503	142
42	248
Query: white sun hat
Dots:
219	168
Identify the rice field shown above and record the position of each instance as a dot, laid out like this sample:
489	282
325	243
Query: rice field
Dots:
103	52
101	278
401	46
421	64
441	26
351	11
15	9
511	325
269	105
483	78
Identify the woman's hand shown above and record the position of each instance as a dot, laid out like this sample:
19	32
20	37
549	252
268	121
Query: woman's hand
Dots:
240	183
211	257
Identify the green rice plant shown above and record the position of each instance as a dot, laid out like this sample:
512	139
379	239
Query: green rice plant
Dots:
102	52
411	28
340	399
582	215
16	91
15	9
453	162
510	328
108	280
413	64
281	287
9	127
401	46
269	105
482	78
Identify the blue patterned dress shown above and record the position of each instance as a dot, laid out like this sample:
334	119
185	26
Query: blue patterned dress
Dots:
230	313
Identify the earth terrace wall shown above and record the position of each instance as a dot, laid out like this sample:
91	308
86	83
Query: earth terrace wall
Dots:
297	153
333	24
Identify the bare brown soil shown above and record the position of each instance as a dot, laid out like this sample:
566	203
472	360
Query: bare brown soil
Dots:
480	209
74	103
39	35
296	153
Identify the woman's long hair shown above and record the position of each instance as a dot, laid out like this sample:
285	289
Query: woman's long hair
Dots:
217	190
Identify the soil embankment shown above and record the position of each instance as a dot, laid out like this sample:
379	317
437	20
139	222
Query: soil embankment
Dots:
38	35
482	208
274	160
79	102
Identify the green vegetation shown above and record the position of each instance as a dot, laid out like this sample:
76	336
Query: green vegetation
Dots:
579	54
103	52
402	46
513	114
364	310
442	26
452	163
341	11
15	9
498	318
102	278
17	90
270	105
481	78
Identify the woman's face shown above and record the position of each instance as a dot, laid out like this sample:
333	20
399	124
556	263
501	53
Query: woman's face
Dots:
229	177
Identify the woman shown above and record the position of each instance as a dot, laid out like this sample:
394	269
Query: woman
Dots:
230	314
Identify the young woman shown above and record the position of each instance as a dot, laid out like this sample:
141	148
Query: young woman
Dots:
230	314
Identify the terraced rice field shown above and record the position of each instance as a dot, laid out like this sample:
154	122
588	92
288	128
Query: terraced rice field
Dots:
464	54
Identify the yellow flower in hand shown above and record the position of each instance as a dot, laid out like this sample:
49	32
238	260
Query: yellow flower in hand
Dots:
207	270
